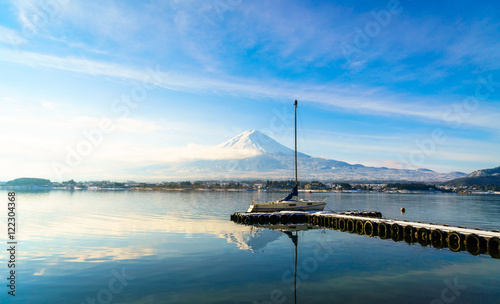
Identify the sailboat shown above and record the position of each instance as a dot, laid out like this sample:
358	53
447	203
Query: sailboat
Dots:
291	202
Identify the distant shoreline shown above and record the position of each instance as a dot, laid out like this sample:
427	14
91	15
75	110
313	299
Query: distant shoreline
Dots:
104	189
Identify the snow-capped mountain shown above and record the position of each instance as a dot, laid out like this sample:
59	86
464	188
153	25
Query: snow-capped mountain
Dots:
264	158
256	141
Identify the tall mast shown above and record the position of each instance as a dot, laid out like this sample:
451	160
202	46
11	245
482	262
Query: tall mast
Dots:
296	174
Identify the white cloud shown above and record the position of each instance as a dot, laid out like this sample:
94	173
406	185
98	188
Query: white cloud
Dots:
384	163
359	99
11	37
128	153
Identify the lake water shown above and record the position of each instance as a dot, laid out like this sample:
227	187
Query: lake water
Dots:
181	247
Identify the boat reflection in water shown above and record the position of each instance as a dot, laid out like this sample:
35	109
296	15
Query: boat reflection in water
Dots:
290	230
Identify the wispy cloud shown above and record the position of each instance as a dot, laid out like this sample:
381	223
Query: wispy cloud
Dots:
11	37
359	99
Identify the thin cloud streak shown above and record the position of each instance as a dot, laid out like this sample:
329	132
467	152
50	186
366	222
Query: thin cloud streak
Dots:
370	101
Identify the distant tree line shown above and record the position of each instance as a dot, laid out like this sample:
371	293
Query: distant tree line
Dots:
280	184
484	188
28	181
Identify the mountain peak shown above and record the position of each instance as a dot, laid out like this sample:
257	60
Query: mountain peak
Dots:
256	141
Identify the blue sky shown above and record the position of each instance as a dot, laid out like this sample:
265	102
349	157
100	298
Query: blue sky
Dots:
403	84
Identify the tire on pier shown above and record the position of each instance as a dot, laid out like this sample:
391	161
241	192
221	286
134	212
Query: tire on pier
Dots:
384	230
327	222
350	225
342	224
273	219
313	219
335	222
321	220
494	247
294	218
245	219
263	219
396	232
370	228
284	219
474	244
455	241
423	236
437	238
308	217
408	230
302	218
359	227
317	220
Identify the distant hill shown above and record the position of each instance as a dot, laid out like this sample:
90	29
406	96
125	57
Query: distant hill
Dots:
29	181
485	177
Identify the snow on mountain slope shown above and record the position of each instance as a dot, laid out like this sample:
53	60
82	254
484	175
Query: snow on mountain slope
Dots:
256	141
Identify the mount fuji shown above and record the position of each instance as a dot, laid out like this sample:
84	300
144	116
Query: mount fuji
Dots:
254	155
258	142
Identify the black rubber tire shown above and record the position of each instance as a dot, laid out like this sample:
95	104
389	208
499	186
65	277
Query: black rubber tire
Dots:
368	228
396	232
494	247
350	225
408	230
342	224
423	236
284	219
384	231
455	241
437	238
335	222
328	222
396	229
360	227
473	244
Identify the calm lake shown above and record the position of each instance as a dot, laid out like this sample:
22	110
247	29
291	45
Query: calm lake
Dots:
181	247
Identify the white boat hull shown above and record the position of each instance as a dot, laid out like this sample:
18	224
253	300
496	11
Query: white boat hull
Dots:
301	205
